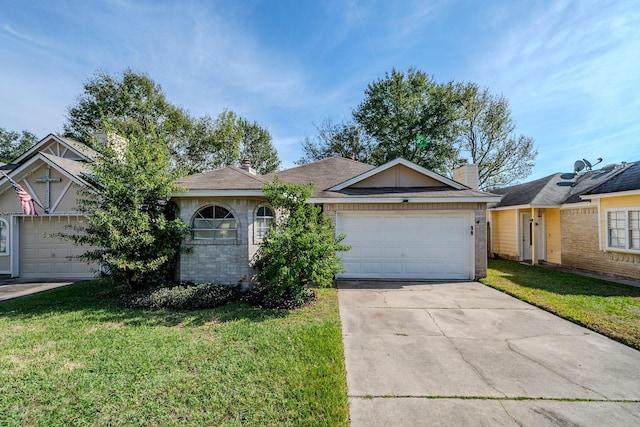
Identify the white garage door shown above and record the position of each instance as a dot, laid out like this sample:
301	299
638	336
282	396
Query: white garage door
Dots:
48	257
407	245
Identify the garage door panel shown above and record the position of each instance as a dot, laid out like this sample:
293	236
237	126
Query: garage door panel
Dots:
50	257
413	245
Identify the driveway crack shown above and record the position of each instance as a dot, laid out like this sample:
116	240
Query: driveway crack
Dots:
471	365
537	362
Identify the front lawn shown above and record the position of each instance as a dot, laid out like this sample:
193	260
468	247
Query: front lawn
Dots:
605	307
73	357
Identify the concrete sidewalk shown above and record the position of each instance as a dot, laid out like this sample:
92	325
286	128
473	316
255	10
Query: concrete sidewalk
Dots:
16	288
458	354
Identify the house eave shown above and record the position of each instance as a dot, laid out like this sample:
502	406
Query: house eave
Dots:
342	200
608	195
218	193
534	206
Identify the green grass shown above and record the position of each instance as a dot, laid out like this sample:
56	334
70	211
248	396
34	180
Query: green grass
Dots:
605	307
72	357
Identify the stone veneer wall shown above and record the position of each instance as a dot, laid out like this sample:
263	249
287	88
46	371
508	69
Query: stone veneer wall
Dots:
580	246
225	262
480	218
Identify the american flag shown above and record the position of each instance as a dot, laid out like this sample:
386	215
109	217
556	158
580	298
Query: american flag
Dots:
28	206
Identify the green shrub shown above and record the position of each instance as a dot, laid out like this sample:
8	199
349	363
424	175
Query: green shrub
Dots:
186	296
299	251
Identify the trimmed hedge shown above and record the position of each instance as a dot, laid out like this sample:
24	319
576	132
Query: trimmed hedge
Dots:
185	296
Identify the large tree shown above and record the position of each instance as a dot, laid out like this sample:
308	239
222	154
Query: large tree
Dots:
12	144
410	116
343	139
133	104
486	134
132	229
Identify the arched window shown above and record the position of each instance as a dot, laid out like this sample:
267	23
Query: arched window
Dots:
214	223
4	237
264	219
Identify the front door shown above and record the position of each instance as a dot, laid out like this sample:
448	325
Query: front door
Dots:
527	236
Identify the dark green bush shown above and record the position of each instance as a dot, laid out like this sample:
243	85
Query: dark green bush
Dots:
261	297
186	296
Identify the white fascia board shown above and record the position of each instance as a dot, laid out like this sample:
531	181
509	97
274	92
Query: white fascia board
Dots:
403	162
218	193
521	207
615	194
402	200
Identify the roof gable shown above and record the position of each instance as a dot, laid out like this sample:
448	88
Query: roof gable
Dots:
398	173
61	147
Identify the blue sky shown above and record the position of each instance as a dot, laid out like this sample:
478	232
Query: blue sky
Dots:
570	69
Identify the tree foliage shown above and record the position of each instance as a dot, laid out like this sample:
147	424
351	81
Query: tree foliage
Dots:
403	106
133	232
487	135
409	115
344	139
300	250
134	104
12	144
227	140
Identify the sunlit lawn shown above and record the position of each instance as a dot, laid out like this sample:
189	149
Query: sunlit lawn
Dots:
73	357
606	307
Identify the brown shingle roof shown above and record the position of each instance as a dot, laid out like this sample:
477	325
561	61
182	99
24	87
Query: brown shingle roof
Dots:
324	173
229	178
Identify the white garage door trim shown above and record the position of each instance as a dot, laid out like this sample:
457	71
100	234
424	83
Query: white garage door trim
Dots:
41	257
430	245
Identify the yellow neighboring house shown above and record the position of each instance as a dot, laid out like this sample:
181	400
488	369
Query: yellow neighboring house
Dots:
589	221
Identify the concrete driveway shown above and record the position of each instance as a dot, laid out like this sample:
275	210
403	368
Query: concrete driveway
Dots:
16	288
463	354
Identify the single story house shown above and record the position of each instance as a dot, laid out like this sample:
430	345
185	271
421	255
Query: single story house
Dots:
402	221
587	221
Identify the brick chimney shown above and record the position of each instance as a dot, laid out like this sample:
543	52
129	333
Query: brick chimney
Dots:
466	174
246	166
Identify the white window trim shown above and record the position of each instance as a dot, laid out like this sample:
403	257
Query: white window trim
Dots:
7	246
256	238
627	239
214	240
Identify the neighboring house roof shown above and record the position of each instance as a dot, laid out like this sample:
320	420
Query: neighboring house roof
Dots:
555	190
83	151
628	179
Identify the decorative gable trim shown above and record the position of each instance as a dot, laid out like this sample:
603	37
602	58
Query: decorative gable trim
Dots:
403	162
5	185
60	153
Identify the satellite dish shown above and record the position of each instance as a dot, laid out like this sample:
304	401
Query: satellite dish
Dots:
578	166
608	168
587	164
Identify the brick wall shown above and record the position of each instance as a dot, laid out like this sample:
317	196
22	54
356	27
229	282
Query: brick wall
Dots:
579	229
225	262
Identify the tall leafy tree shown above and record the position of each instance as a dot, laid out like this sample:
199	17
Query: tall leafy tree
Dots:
12	144
256	145
411	116
134	104
132	231
486	134
343	139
